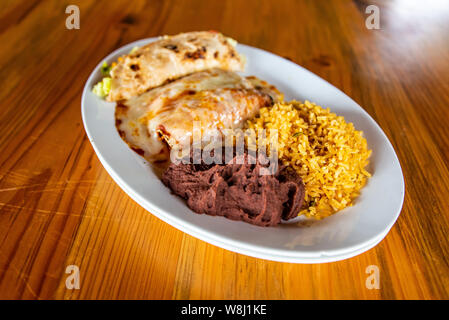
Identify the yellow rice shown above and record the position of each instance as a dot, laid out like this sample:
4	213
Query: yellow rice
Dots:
326	151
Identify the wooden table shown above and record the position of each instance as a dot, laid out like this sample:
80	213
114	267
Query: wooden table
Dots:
59	207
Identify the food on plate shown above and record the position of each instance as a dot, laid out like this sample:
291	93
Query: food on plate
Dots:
327	152
106	69
103	87
215	98
237	190
171	87
169	58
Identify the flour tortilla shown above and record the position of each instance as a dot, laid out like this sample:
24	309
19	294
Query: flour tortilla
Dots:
215	98
172	57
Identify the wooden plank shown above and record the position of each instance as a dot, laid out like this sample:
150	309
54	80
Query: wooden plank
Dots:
59	207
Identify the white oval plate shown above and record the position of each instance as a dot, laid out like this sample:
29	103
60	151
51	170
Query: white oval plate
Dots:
345	234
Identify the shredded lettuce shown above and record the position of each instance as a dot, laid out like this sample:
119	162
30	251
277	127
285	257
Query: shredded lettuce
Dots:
103	87
106	69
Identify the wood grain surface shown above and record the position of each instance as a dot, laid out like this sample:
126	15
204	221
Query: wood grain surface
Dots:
59	207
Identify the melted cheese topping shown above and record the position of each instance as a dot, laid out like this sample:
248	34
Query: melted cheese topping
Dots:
214	99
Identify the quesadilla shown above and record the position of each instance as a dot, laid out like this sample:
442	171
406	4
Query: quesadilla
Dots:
169	58
215	98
